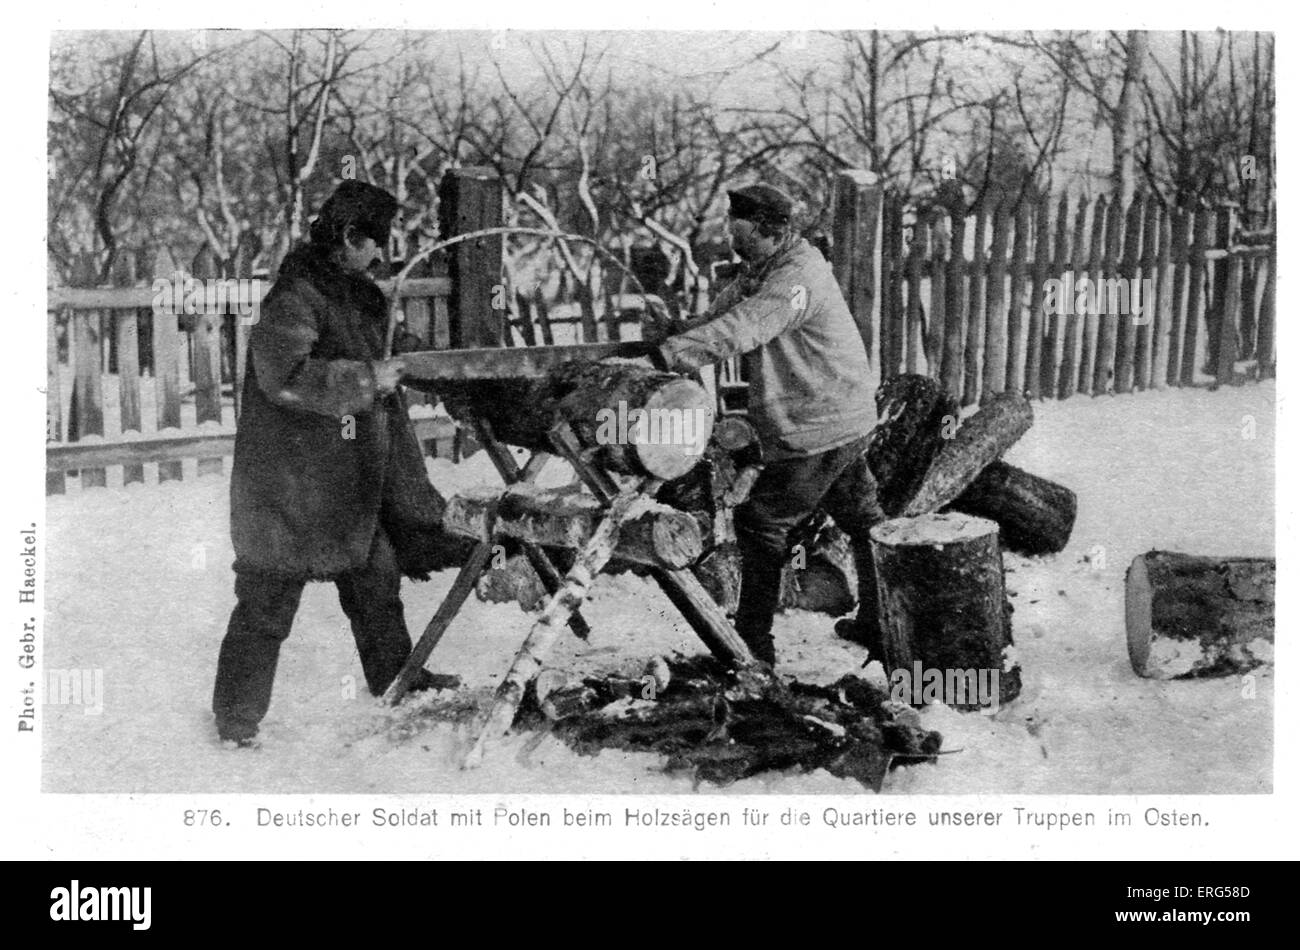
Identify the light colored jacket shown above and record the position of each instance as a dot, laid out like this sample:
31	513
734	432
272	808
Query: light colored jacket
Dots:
803	354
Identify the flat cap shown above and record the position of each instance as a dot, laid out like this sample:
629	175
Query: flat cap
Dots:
368	208
765	203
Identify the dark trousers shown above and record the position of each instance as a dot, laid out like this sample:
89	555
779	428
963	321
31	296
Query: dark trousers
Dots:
262	619
786	493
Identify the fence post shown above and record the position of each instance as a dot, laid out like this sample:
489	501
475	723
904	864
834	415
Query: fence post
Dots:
1197	291
1159	377
1126	331
1178	317
86	414
54	481
207	355
995	320
1216	303
1037	295
855	217
1146	331
166	359
128	361
972	368
1015	375
472	199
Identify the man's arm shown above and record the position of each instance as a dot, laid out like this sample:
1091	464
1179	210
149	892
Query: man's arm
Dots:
280	347
778	304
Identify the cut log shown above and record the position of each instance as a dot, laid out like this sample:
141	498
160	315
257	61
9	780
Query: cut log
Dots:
636	420
914	414
1191	617
567	518
980	441
943	607
1034	515
821	575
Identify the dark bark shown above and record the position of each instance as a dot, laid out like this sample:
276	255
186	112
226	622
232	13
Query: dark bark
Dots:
1034	515
1191	617
943	603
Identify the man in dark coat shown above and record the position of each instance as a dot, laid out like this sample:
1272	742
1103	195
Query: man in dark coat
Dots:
328	480
809	399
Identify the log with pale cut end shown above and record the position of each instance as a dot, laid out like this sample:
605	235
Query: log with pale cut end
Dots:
821	575
913	416
943	607
638	420
1035	515
567	518
1190	616
981	440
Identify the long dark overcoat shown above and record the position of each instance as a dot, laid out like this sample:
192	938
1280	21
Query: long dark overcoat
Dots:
322	460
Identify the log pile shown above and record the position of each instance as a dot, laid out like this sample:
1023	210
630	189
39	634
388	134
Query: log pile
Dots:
923	462
719	729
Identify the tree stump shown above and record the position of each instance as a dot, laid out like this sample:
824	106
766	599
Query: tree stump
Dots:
943	607
1034	514
1191	617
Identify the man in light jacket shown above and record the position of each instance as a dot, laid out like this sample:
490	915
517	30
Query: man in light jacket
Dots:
809	398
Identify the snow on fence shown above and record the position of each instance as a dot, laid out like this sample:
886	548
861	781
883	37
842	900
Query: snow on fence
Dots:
134	380
986	312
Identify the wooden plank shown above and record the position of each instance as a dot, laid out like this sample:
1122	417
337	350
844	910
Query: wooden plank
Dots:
500	363
206	341
471	200
1089	361
543	318
938	295
1266	346
1179	232
1216	301
587	307
87	388
166	361
54	481
1150	301
855	214
1126	330
128	362
1072	358
1197	275
1227	348
1061	262
1103	372
168	450
1036	340
524	317
1015	375
966	310
995	316
893	318
1159	377
954	302
912	333
141	298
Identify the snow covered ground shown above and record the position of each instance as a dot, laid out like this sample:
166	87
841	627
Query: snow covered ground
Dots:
140	587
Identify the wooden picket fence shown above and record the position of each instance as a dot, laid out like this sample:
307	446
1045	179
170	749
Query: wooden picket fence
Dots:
132	385
967	299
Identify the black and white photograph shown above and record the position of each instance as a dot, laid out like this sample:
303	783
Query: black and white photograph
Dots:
828	412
